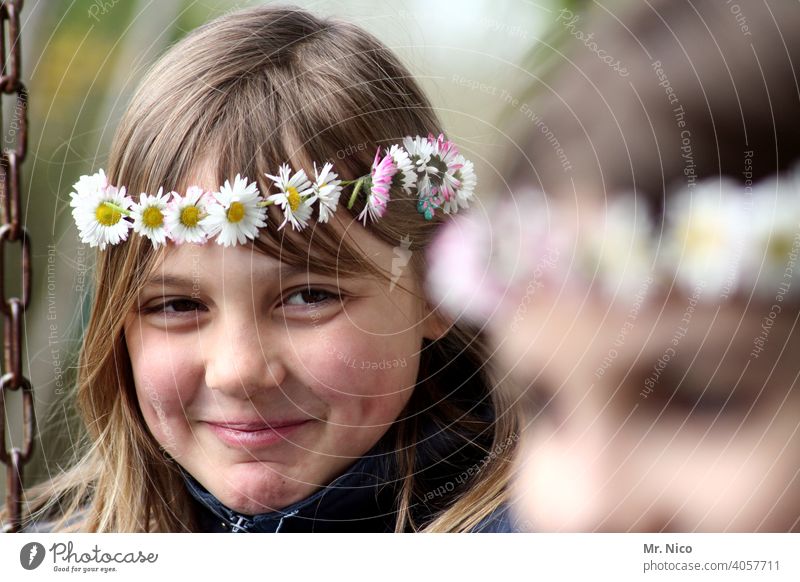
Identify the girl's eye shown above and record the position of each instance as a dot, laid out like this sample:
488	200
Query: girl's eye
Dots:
677	393
176	306
310	296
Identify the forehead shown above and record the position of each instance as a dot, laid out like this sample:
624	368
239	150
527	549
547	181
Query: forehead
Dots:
710	343
181	263
570	335
212	259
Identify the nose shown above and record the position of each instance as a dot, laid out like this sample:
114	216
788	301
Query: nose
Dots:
240	359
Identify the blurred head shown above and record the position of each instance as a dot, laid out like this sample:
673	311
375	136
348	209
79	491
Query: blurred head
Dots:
658	376
654	405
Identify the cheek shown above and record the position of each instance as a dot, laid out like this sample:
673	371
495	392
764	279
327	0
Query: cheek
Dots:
363	378
164	374
751	481
722	476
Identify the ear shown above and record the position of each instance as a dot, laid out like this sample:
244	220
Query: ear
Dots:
437	325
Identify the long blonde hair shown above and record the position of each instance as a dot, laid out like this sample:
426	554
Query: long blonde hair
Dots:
253	89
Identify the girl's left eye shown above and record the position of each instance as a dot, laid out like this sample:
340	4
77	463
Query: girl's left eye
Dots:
175	307
310	296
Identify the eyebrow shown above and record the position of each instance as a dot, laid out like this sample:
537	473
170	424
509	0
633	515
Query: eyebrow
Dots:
167	280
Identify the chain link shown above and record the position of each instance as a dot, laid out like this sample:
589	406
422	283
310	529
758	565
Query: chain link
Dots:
12	232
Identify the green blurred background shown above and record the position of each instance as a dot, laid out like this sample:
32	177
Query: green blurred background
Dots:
83	59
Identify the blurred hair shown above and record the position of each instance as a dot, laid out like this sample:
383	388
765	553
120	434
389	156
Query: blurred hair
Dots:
732	73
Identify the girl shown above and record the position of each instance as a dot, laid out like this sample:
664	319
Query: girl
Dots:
269	362
649	305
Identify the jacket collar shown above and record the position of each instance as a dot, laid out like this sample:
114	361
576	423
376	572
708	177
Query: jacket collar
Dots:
361	499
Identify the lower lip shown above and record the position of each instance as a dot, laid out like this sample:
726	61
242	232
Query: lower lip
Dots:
254	438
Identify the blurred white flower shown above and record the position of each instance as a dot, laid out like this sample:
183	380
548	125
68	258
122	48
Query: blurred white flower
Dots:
618	248
709	229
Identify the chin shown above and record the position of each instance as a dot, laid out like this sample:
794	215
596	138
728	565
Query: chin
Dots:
253	488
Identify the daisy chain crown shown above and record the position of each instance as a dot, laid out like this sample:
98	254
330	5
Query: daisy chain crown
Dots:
431	168
718	238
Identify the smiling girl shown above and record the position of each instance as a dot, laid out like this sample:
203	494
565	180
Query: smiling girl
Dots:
260	354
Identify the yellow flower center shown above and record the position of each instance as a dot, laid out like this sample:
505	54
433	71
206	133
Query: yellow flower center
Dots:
106	215
152	217
293	196
701	239
235	212
190	216
780	247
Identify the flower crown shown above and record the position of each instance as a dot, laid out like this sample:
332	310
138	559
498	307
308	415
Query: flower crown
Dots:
431	167
718	239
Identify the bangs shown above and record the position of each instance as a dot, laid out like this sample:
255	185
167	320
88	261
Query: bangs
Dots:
253	150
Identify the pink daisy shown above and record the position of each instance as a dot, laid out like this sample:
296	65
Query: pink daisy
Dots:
383	170
447	161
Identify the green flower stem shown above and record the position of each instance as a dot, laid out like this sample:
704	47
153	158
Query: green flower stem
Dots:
359	182
118	208
352	201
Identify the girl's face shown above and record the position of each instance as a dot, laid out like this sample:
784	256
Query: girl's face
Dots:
681	416
227	342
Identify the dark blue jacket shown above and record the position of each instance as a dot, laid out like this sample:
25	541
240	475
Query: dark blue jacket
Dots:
362	499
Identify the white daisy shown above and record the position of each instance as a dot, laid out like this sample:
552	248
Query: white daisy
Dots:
148	216
436	161
295	197
446	161
99	211
235	216
97	182
327	190
616	246
709	230
184	215
464	193
406	177
776	236
420	150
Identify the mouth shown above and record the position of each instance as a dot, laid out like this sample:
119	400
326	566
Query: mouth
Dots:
256	433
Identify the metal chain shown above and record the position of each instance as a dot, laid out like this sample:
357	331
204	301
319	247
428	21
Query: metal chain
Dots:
12	232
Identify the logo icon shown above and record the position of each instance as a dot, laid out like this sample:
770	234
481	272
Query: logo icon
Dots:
31	555
402	254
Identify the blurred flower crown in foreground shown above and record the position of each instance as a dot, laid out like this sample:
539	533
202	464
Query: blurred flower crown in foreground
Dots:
717	239
430	168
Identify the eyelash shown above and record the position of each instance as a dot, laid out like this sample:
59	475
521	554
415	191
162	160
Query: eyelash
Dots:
161	308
